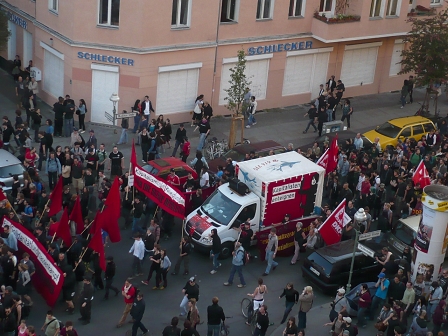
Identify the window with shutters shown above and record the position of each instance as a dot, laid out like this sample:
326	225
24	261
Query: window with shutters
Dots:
181	14
109	13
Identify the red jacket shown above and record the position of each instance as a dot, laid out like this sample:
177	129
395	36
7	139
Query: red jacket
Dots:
365	187
186	148
131	294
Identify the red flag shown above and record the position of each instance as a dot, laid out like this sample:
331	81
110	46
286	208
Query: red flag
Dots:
76	216
111	213
2	195
421	175
329	160
56	198
133	158
63	229
331	229
323	160
53	228
96	244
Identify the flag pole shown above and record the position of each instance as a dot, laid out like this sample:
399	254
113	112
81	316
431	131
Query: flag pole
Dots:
43	212
70	247
183	226
54	236
130	168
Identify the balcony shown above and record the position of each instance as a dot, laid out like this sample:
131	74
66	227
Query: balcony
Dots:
421	11
340	18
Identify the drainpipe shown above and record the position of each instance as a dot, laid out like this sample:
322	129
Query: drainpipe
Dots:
216	51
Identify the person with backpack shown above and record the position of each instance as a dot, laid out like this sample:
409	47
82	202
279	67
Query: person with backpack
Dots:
237	265
129	293
124	131
199	162
51	326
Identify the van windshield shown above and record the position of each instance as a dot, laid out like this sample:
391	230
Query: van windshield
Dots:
405	234
9	171
322	263
389	130
220	208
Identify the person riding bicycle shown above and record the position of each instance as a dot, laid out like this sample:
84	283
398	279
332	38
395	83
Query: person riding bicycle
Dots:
257	301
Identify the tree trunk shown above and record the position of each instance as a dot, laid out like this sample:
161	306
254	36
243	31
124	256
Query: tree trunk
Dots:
236	119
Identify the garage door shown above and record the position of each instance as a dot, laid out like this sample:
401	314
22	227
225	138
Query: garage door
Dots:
12	41
359	64
53	74
105	81
256	72
395	66
27	48
177	89
304	73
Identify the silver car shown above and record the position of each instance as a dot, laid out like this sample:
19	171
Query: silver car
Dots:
9	166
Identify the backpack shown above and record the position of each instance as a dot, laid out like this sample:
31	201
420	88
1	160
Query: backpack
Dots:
245	257
198	165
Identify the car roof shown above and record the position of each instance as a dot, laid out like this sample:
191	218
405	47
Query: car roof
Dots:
257	146
167	162
7	159
344	250
404	121
412	221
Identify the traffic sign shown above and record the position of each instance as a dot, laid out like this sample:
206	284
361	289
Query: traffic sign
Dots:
369	235
125	115
366	251
109	117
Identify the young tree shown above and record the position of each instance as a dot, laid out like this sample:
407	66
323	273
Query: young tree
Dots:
4	32
425	55
238	84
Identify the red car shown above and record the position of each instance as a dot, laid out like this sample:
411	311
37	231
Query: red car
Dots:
162	167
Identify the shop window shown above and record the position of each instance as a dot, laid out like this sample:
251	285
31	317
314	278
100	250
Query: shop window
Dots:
109	12
229	10
181	13
265	9
295	8
53	5
376	8
393	7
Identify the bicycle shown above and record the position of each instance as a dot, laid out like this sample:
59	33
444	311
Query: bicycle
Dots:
247	305
216	148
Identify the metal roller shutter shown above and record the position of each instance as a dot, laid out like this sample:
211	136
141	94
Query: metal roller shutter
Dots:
53	75
105	82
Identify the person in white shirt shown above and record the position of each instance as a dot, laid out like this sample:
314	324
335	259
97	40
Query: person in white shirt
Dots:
138	251
252	109
204	182
358	141
147	107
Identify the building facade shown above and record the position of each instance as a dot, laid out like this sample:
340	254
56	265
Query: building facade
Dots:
174	50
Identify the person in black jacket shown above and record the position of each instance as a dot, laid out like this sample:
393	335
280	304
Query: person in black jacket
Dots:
181	133
215	314
86	301
216	249
137	311
292	297
262	321
138	212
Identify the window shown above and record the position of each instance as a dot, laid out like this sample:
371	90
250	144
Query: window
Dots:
417	130
109	13
359	64
265	9
181	13
428	127
229	10
392	8
53	5
376	9
435	2
295	8
406	132
325	6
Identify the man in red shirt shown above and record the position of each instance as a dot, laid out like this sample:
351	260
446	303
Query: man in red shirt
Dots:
128	292
173	179
185	150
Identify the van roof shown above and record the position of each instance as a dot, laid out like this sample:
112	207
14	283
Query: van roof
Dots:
412	221
7	159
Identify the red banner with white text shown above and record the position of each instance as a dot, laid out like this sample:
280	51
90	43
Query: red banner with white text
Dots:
331	229
48	279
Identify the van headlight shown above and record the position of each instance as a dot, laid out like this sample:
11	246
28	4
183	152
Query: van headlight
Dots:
205	241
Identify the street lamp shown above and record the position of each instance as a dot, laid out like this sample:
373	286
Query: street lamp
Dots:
114	99
360	216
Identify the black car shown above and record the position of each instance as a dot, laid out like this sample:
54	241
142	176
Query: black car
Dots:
328	268
343	136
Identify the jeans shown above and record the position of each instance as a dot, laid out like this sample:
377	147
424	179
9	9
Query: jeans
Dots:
123	137
361	316
68	127
136	123
202	137
52	179
215	260
136	228
376	302
183	305
136	325
431	309
296	253
176	146
301	324
251	120
288	309
136	265
271	262
213	329
235	269
403	100
330	115
258	332
310	123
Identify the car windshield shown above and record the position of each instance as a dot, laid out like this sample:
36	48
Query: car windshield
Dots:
234	155
320	261
9	171
220	208
389	130
150	169
405	234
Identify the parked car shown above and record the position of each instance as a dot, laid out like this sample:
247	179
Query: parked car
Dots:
328	268
400	128
162	167
9	166
238	153
342	137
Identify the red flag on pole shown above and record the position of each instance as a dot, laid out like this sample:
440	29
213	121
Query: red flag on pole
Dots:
329	160
56	198
111	213
323	160
63	230
421	175
76	216
2	195
331	229
96	244
133	158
